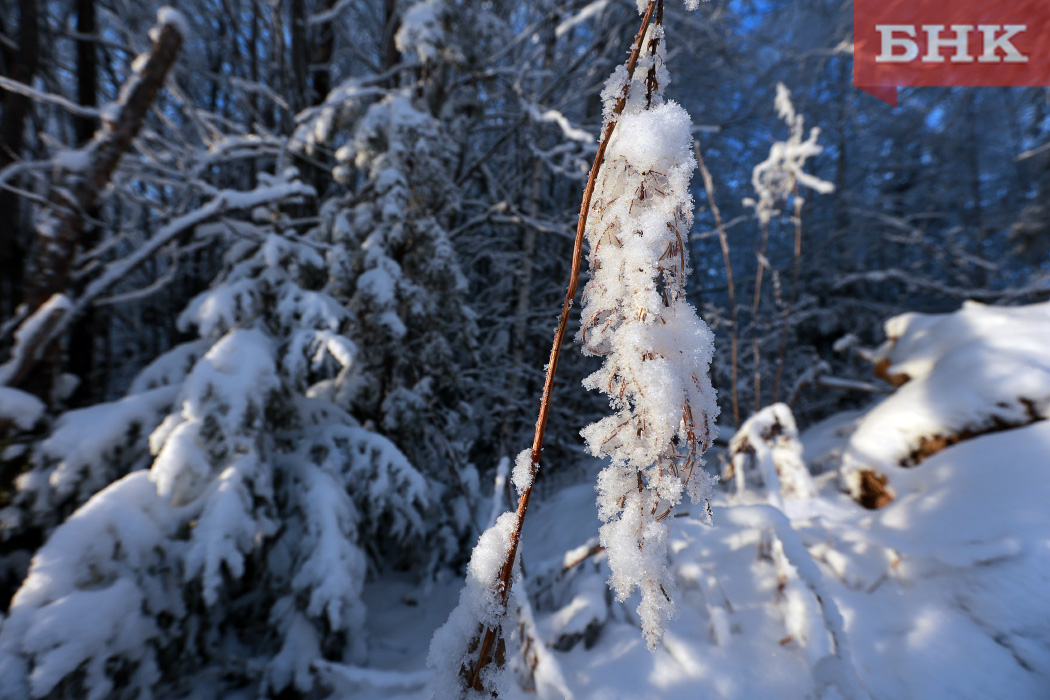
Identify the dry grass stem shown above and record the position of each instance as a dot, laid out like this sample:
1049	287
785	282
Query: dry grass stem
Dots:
792	295
723	240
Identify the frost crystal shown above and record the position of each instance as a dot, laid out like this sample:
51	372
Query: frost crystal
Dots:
657	350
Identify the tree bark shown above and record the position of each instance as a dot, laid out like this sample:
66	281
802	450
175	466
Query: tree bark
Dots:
87	68
299	55
83	363
14	108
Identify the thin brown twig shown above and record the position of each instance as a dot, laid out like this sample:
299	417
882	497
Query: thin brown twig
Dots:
782	351
490	633
755	353
709	187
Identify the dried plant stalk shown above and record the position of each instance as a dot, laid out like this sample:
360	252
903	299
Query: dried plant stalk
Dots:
792	295
489	635
656	349
723	240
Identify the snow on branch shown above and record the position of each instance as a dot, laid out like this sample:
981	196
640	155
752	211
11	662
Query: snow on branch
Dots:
689	5
1039	285
85	176
422	30
31	338
55	317
589	10
330	15
59	230
49	98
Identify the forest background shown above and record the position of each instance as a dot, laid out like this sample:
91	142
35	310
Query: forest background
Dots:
359	217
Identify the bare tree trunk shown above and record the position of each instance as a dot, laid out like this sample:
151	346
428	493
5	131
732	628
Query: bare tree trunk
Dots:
87	68
84	334
59	232
300	54
390	55
13	111
323	51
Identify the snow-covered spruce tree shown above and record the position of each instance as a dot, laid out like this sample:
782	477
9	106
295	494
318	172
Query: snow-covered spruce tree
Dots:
415	325
239	557
417	334
86	449
657	350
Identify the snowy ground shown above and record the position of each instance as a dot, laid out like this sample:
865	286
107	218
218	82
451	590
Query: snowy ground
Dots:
942	593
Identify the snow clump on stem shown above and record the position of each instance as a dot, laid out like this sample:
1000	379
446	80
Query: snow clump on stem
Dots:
657	350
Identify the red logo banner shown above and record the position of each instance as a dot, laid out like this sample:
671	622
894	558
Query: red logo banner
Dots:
946	42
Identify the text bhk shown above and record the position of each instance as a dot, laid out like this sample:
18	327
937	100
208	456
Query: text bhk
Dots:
963	43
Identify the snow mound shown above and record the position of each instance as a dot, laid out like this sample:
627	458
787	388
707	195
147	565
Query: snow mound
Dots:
977	370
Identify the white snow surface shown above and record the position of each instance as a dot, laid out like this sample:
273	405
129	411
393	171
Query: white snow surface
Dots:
940	595
979	368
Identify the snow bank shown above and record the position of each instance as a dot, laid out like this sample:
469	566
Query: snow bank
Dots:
978	369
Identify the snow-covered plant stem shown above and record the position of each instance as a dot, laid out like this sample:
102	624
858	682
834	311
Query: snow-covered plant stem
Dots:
524	482
657	350
775	179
